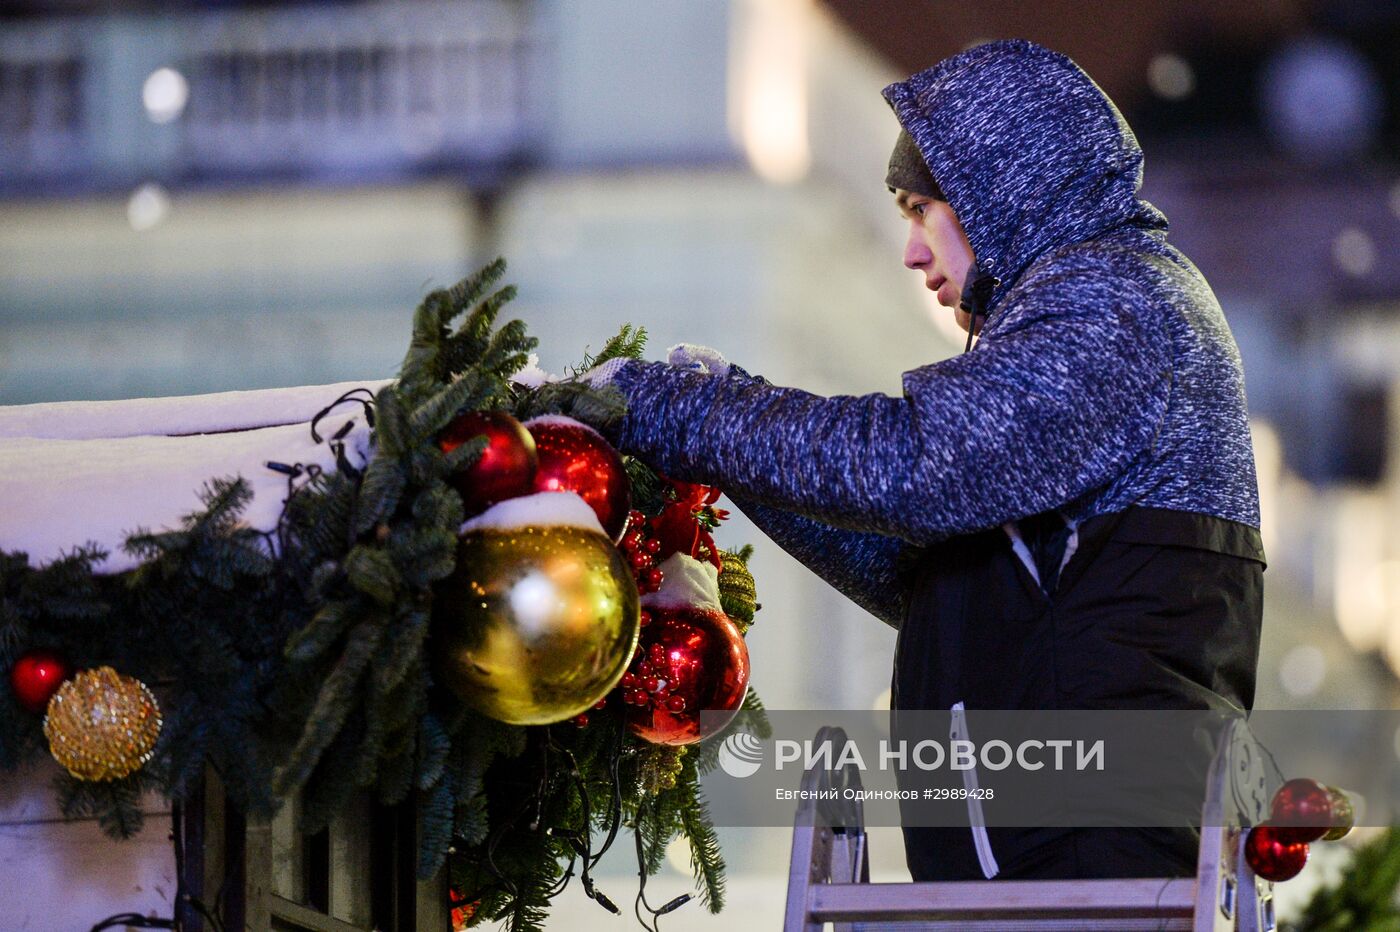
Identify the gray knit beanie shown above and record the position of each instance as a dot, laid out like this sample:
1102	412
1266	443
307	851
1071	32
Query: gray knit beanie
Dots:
909	171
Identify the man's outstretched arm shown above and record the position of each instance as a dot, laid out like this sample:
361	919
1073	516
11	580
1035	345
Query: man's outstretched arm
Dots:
1048	410
862	567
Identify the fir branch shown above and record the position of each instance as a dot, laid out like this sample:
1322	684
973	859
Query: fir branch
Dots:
471	820
405	647
115	803
435	411
648	490
371	570
423	364
391	431
706	860
508	351
383	483
600	407
465	456
752	717
425	556
322	633
628	343
468	292
757	717
433	747
427	465
1363	898
439	507
332	706
326	791
434	830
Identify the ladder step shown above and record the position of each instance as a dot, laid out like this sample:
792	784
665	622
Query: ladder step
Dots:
1005	901
1176	924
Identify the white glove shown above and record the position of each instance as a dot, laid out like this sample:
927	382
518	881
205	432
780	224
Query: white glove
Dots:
698	358
600	376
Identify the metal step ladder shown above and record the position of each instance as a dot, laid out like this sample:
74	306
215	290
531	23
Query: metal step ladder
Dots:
829	877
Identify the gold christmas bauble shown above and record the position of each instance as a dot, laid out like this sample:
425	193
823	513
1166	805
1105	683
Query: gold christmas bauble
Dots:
536	624
102	725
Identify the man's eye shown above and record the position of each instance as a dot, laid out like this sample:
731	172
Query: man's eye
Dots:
919	209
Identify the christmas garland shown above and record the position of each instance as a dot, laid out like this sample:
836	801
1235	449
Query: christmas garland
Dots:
351	647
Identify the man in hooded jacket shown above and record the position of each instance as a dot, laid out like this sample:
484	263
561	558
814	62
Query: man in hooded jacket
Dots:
1065	517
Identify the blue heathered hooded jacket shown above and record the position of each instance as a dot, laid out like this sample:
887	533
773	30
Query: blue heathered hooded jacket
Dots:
1105	375
1065	517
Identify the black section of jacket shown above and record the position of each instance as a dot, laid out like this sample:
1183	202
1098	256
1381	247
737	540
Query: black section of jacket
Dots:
1155	609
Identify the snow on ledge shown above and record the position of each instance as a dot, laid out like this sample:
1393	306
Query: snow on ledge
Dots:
95	472
183	414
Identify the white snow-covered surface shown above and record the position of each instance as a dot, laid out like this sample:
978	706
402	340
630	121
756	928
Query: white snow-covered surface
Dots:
532	375
74	485
185	414
686	583
553	509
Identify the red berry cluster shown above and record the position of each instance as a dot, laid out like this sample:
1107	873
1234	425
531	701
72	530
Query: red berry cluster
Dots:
581	719
644	683
641	549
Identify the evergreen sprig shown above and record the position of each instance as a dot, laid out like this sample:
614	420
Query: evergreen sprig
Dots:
1364	897
628	343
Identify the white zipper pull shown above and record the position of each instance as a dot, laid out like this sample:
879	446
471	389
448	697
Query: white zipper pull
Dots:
957	731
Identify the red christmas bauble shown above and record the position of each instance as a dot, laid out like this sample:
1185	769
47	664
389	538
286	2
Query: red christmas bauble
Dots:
1271	857
575	458
506	467
36	676
687	660
1301	810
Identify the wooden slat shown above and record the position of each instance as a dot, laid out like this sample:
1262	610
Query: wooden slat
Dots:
1030	925
306	918
1003	900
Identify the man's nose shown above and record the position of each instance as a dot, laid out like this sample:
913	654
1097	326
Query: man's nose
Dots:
916	251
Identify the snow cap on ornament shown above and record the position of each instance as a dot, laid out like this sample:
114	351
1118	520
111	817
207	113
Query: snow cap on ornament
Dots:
687	583
542	509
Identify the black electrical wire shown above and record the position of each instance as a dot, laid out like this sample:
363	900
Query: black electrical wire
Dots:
137	921
641	900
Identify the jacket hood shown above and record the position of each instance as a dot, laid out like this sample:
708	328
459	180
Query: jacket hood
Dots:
1030	152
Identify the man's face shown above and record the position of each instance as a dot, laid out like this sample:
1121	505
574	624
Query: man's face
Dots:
937	247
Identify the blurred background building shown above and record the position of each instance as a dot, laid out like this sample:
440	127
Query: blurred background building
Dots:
201	196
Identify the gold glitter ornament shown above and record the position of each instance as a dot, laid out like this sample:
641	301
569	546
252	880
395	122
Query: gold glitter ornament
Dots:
536	624
102	725
736	589
659	767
